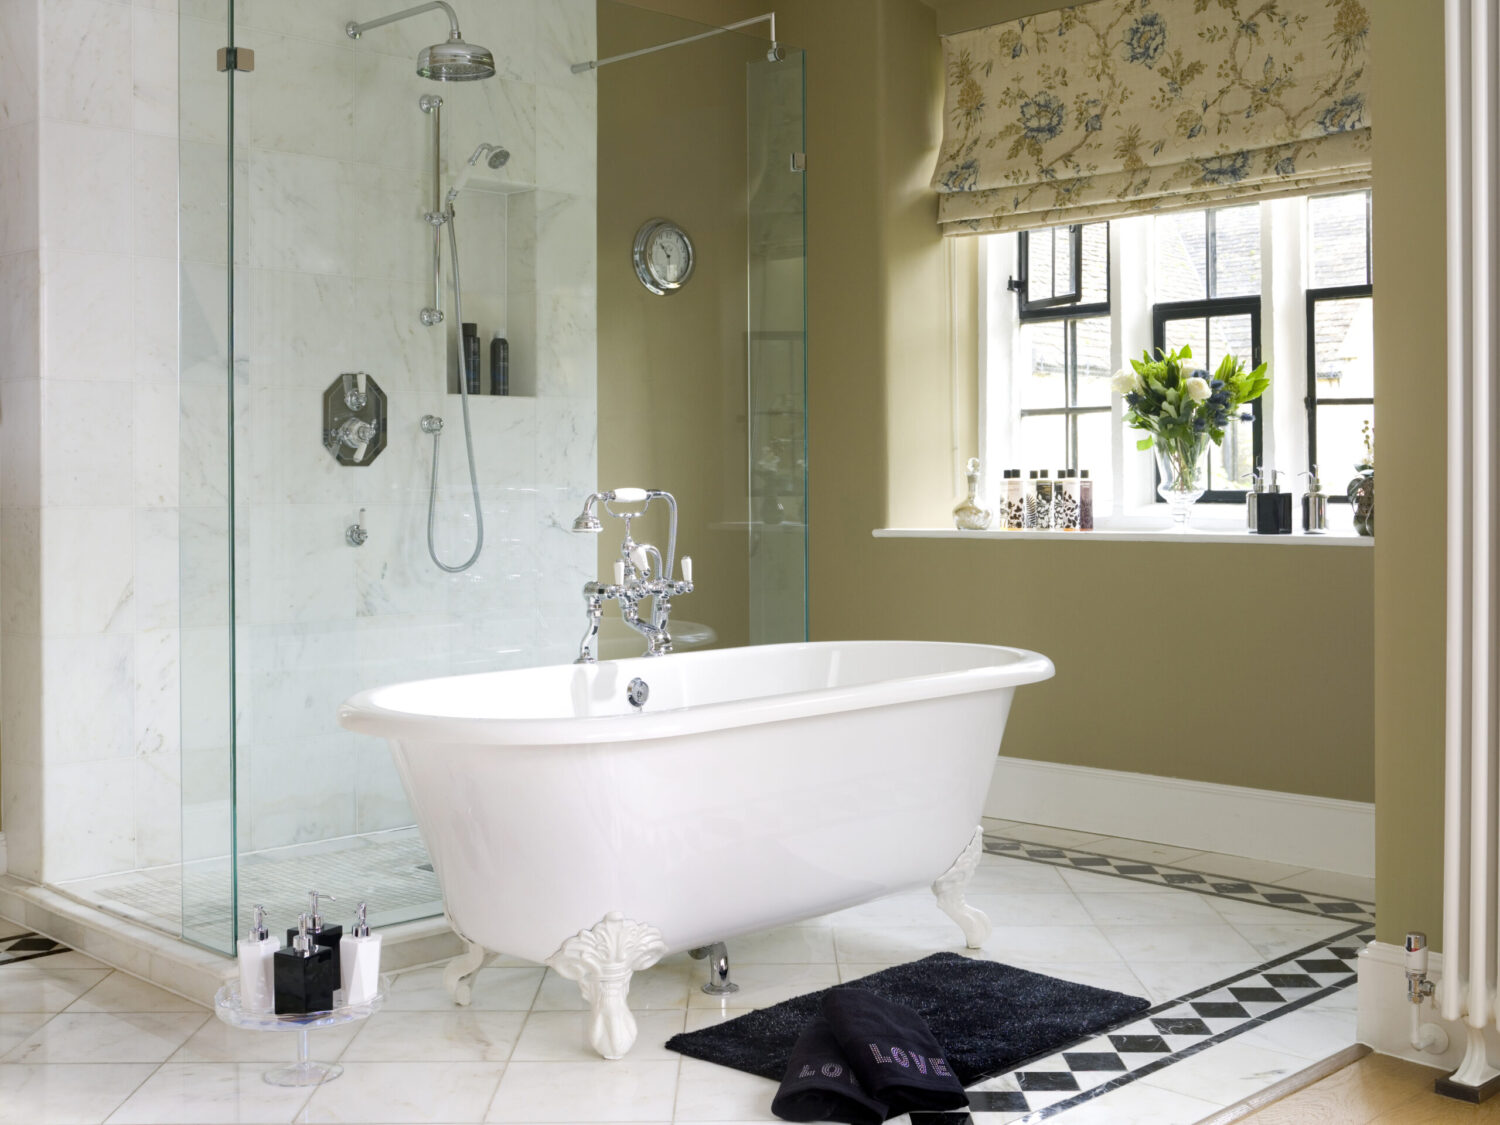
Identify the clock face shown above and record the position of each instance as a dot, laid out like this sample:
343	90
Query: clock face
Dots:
663	257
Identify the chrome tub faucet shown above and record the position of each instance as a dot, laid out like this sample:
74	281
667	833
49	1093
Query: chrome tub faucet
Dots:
641	573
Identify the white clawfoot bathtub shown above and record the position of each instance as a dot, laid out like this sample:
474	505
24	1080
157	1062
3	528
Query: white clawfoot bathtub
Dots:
754	787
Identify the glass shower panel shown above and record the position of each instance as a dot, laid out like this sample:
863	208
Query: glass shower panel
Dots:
777	351
336	578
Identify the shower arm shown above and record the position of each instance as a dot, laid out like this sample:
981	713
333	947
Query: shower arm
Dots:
595	64
355	30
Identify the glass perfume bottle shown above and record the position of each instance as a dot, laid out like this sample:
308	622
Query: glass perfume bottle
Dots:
972	515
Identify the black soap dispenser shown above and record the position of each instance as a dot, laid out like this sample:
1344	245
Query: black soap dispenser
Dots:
1273	508
322	936
306	975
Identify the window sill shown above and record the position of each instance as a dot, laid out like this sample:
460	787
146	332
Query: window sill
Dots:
1331	538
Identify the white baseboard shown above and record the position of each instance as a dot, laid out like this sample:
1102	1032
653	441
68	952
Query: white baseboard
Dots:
1260	823
1385	1015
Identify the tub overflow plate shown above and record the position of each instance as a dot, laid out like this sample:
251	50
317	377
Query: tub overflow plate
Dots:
638	692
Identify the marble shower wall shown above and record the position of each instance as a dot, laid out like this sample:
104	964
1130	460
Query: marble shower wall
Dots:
331	265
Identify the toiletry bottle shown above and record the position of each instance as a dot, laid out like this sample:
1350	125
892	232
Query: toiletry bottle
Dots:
1273	508
359	961
1013	502
305	974
257	966
1314	505
971	514
1043	501
1085	501
1257	486
325	936
471	357
1029	499
1065	500
499	365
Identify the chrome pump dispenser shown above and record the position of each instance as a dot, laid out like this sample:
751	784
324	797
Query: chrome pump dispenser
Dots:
1314	505
1257	486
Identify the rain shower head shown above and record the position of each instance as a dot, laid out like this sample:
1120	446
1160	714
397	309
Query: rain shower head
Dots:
453	61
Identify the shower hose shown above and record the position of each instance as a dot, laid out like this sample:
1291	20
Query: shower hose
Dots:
437	435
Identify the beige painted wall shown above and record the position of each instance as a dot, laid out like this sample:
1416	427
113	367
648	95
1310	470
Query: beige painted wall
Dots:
1411	434
1283	702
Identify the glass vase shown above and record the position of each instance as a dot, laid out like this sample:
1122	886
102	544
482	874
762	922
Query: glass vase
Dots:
1182	464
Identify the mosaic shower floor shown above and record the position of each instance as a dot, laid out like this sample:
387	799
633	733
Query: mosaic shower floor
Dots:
390	870
1249	967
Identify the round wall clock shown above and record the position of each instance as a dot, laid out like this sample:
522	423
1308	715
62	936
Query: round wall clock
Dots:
663	256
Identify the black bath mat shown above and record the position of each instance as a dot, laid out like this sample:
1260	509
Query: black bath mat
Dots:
989	1017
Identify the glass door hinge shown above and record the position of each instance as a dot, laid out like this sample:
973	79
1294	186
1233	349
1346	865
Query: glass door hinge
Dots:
236	58
799	162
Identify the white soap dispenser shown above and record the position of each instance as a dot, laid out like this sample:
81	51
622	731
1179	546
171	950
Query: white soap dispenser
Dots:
359	961
257	969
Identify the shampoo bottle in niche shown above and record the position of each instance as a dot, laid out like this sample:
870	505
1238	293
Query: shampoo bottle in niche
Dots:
1013	501
359	961
306	976
326	937
1085	501
499	365
257	966
470	356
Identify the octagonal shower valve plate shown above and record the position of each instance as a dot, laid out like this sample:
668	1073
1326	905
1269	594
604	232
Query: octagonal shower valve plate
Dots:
344	408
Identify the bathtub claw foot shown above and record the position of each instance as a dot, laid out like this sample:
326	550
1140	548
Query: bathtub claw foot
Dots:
458	977
602	961
949	888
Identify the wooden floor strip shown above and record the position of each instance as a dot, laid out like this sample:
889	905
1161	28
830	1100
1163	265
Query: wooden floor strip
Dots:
1291	1084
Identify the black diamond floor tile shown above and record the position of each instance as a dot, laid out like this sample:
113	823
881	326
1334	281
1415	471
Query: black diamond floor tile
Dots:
996	1101
1089	861
1051	1080
1136	869
1284	897
1093	1060
1330	965
1139	1044
1341	908
1257	995
1181	1025
1234	888
1219	1010
1183	878
1290	980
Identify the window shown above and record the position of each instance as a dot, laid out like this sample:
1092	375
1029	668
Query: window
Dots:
1287	281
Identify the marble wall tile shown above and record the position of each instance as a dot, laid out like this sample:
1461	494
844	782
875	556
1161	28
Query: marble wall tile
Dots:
19	229
89	808
153	70
156	569
204	655
86	201
154	320
20	751
509	29
155	203
87	450
18	40
385	234
302	99
301	790
85	72
156	438
89	320
298	327
565	35
20	443
321	22
295	213
203	93
101	670
498	111
20	574
88	572
389	127
20	315
565	138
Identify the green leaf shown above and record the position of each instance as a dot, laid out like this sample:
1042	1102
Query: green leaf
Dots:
1144	443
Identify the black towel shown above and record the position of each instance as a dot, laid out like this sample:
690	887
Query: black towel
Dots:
819	1084
892	1052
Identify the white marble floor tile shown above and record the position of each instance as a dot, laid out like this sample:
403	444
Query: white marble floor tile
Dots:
216	1041
1167	980
895	910
121	992
24	988
764	985
494	990
1213	942
581	1092
108	1037
1091	882
706	1092
1115	976
1281	938
1029	909
15	1027
1164	908
661	986
999	875
71	959
208	1094
1046	944
65	1095
1361	888
1313	1032
1138	1104
405	1092
1240	867
1252	913
562	1036
788	945
452	1036
1227	1072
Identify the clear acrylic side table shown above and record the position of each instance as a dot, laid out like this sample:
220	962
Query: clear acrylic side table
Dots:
304	1072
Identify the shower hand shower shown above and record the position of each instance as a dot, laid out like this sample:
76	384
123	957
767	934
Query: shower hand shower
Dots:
498	157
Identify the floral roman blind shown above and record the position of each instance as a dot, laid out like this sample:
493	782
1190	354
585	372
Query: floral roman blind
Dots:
1122	106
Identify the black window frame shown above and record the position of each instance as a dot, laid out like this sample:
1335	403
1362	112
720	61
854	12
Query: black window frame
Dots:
1062	304
1204	310
1334	293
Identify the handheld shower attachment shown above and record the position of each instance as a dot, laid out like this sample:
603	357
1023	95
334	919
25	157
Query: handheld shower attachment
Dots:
497	157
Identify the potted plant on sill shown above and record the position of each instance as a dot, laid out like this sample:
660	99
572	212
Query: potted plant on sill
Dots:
1182	410
1361	491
